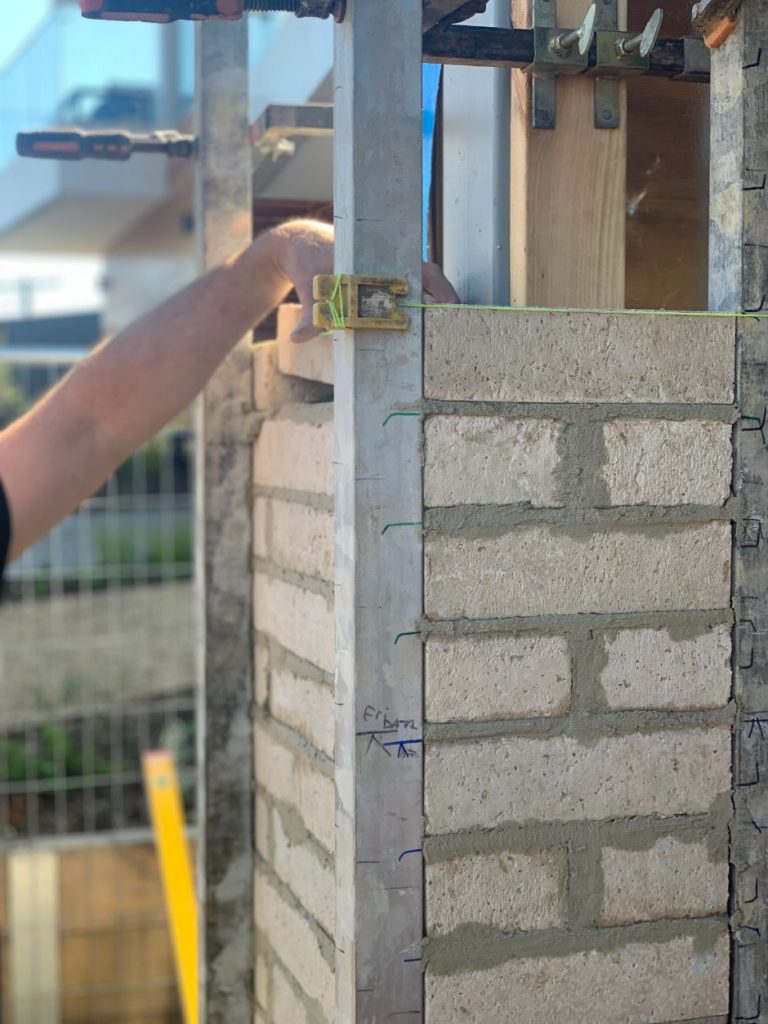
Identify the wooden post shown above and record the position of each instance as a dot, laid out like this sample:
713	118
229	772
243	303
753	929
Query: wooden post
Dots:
568	192
379	919
34	933
738	279
225	511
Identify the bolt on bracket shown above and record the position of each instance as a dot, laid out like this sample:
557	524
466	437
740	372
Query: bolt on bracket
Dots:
597	48
557	51
618	55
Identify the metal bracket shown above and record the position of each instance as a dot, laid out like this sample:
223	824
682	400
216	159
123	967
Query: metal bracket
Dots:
696	61
618	55
556	51
352	303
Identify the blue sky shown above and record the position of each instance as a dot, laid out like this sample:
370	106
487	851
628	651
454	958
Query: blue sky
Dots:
18	21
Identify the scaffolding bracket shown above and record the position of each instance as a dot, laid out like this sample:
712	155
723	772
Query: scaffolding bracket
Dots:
353	303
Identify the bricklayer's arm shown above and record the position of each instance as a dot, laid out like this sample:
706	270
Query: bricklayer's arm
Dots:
65	447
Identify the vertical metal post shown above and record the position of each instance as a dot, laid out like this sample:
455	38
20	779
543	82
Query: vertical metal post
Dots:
476	118
225	512
379	767
739	280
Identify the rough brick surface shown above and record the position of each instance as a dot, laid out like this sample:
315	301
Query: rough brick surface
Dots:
634	984
286	1006
301	538
671	879
261	674
477	460
477	678
300	620
306	706
294	449
260	523
262	827
577	357
657	668
312	360
290	777
295	944
271	388
306	871
539	570
651	462
509	891
483	783
262	980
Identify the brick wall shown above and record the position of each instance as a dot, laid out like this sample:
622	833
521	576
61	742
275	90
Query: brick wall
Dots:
578	643
294	660
577	640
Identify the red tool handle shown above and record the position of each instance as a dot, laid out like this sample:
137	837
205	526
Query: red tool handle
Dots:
161	10
75	145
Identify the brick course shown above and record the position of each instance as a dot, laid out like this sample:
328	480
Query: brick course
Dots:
484	783
481	678
543	570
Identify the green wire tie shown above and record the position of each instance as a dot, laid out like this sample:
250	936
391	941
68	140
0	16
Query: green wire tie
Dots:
748	622
391	526
392	415
401	635
336	309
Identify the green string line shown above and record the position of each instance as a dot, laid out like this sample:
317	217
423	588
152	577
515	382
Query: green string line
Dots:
573	309
336	306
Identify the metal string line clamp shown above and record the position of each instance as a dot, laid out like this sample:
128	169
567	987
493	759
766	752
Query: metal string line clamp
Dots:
348	302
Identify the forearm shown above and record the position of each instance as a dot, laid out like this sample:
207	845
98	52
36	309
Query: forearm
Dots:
130	387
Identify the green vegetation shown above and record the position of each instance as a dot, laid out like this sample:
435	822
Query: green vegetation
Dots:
56	754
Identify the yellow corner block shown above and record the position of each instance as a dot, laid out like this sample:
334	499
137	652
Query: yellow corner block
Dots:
346	302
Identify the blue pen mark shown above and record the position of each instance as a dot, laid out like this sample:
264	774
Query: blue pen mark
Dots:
405	853
402	747
413	960
756	722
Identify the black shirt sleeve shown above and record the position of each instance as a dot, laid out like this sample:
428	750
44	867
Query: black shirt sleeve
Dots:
5	531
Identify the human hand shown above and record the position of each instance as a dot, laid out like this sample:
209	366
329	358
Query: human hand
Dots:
305	249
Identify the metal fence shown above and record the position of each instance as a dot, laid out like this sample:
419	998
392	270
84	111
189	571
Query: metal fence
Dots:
98	663
100	613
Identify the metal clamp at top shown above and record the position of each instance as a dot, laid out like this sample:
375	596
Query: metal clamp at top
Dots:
618	55
557	51
347	302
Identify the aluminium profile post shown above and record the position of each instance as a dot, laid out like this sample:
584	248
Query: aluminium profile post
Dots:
476	173
738	280
379	575
225	862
